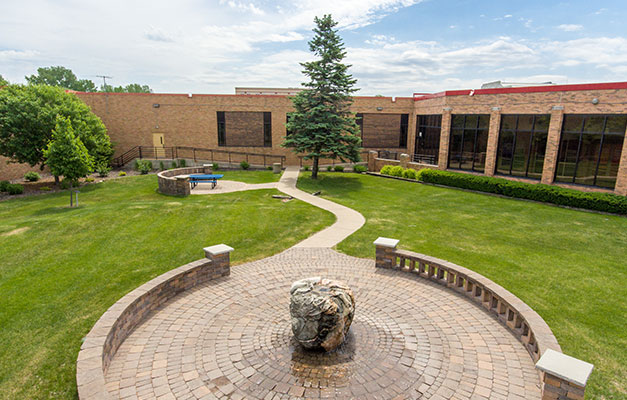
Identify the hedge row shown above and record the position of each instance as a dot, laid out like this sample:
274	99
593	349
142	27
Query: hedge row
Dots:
606	202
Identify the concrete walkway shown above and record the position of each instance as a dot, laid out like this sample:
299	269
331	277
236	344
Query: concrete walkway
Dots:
348	220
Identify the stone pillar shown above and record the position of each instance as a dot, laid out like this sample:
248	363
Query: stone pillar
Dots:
621	179
552	145
207	168
372	161
385	252
445	136
493	141
220	256
276	168
404	159
411	134
563	377
182	185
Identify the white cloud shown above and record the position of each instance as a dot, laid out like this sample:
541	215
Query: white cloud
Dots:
158	35
570	27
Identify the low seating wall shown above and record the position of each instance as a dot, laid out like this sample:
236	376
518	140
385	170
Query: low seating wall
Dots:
171	182
104	339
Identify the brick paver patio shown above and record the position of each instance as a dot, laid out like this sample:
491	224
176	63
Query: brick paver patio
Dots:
411	338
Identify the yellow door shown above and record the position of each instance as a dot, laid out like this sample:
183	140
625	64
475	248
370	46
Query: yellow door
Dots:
158	142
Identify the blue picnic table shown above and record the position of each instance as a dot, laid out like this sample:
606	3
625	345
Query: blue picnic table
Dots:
196	178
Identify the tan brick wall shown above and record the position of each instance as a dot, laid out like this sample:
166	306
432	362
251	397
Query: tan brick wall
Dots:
244	128
381	130
552	145
621	181
15	172
445	135
493	141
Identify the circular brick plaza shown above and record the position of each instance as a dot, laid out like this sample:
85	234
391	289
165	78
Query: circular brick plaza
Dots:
411	338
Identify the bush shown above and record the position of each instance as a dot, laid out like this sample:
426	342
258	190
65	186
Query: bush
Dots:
66	184
269	168
606	202
89	179
306	168
173	165
103	170
397	171
32	176
15	188
215	166
386	170
339	168
161	166
409	173
122	173
182	163
244	165
45	189
329	168
4	185
144	166
359	169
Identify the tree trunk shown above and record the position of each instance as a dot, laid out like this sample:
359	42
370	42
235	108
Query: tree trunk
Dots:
56	180
314	169
71	204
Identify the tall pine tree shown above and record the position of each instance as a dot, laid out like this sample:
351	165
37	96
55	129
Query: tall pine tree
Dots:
322	125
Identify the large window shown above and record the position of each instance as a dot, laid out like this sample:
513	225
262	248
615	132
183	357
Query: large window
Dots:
267	129
469	141
427	147
221	129
522	144
590	149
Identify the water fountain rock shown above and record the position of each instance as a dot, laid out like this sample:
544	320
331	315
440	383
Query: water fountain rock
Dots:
322	311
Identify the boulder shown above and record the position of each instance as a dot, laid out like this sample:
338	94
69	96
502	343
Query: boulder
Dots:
322	311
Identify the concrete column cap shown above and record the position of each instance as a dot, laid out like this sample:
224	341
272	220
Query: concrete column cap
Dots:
496	108
557	108
182	176
565	367
386	242
218	249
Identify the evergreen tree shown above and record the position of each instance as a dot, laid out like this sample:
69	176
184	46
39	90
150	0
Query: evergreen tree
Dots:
322	125
66	155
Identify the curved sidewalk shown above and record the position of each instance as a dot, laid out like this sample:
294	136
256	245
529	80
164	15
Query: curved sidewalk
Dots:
348	220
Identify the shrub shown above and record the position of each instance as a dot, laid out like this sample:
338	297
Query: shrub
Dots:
122	173
144	166
215	166
244	165
606	202
15	188
386	170
306	168
4	185
396	170
359	169
339	168
173	165
161	166
182	163
103	170
32	176
269	168
329	168
66	184
409	173
45	189
89	179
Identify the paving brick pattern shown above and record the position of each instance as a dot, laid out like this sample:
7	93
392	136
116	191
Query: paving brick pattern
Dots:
231	338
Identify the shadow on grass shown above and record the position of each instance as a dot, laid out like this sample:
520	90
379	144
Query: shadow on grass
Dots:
342	182
56	210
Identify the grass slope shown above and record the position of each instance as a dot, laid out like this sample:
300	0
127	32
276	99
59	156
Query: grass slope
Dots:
61	268
570	266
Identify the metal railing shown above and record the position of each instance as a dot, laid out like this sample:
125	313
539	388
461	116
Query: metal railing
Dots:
388	155
331	161
196	153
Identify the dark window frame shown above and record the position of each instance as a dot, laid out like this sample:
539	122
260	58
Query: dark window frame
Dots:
422	124
516	131
475	134
402	140
221	128
580	132
267	129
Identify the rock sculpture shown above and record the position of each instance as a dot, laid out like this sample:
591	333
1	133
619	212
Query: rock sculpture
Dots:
322	311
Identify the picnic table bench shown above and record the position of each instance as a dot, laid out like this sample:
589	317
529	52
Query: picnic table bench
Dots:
196	178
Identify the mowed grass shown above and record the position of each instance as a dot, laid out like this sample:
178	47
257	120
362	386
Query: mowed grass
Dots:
570	266
61	268
249	176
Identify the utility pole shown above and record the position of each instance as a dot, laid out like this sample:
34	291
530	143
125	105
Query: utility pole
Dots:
104	80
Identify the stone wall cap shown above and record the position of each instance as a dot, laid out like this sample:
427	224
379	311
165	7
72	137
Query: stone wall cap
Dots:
386	242
182	176
565	367
218	249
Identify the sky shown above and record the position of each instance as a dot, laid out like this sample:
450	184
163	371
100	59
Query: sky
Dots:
395	47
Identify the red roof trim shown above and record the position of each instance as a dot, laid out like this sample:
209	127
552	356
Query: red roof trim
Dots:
525	89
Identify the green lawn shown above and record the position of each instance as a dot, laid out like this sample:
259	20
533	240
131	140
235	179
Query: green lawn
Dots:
62	268
249	176
570	266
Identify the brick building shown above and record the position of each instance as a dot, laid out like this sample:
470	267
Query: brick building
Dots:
571	135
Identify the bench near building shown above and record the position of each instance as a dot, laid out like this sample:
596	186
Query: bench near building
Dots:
570	135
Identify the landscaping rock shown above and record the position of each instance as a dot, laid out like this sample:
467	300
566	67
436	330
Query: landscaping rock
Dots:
322	311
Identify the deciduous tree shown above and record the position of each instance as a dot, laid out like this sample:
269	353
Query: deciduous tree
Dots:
62	77
66	155
322	125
